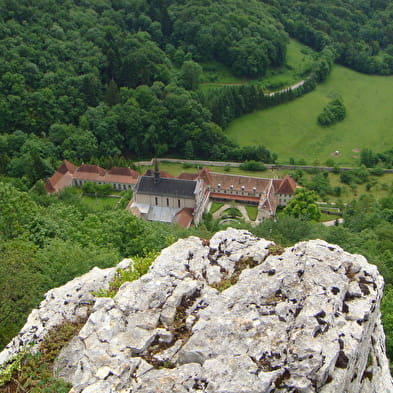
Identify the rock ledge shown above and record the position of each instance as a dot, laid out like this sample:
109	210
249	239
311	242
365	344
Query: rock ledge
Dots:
307	320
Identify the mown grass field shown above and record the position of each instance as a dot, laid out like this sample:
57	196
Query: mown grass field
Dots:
291	129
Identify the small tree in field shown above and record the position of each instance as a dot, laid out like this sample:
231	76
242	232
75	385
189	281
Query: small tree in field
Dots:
303	206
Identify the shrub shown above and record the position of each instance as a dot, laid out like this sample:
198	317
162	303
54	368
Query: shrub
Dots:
34	372
333	112
139	267
94	188
252	166
377	171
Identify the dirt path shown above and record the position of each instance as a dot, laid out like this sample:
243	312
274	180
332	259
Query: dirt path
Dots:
292	87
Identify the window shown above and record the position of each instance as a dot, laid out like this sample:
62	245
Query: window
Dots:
178	203
156	201
167	201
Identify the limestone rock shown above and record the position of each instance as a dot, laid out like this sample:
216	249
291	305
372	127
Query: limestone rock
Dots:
67	303
307	320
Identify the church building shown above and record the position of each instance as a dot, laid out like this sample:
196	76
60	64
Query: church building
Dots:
158	196
165	199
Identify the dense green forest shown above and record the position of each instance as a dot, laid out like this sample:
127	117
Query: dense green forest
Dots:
359	32
84	79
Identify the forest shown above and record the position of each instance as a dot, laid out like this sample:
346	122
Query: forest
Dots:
109	81
84	80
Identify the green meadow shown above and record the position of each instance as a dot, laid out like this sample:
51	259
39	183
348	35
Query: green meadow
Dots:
291	129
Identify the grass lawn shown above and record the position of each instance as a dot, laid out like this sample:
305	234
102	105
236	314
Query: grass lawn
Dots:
215	206
291	129
252	212
99	203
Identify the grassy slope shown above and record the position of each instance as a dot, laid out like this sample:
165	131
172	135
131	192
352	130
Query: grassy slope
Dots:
291	129
298	63
299	59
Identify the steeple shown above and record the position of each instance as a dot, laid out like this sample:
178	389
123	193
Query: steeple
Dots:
156	172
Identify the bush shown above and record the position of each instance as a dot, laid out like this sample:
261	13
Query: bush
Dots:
377	171
358	175
333	112
252	166
94	188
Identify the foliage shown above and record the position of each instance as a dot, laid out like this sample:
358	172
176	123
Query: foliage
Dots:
231	212
253	166
11	367
99	189
357	32
139	267
190	75
376	160
34	372
102	81
229	102
46	240
358	175
242	35
332	113
303	205
387	317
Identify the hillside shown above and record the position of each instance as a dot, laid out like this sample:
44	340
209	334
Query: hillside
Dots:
85	80
291	129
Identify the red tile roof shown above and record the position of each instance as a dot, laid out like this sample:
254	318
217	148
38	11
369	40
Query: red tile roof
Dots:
226	181
205	175
67	166
49	188
184	217
86	168
187	176
287	185
123	172
68	171
234	197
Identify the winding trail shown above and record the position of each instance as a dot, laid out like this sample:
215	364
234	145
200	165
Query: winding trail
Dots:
292	87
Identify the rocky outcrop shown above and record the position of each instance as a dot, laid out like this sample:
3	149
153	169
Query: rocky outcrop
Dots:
70	302
306	320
